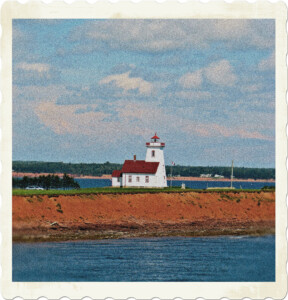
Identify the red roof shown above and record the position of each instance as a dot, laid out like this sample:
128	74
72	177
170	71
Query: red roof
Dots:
116	173
155	137
140	166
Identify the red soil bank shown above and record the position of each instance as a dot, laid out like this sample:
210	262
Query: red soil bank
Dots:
127	215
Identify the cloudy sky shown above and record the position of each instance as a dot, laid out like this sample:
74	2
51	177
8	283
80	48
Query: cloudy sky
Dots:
97	90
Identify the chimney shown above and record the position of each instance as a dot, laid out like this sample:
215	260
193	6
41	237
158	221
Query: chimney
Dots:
134	157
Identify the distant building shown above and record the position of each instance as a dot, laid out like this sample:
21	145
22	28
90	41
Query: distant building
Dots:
218	176
206	175
143	173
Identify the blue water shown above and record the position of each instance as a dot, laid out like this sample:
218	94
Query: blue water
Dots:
90	183
148	259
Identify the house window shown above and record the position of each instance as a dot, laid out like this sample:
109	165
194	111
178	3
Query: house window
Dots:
153	153
147	179
137	178
130	178
118	179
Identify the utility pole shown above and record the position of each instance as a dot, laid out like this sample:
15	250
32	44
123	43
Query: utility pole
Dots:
172	164
232	175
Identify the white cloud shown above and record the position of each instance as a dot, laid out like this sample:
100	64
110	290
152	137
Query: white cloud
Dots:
135	120
147	35
221	73
34	67
192	80
127	83
63	119
163	35
268	63
34	73
129	119
215	130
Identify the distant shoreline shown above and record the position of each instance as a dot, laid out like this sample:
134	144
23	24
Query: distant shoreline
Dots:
176	178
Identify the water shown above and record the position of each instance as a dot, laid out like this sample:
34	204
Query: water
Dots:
91	183
148	259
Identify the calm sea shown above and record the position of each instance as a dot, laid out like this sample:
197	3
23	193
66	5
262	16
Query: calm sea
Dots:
151	259
90	183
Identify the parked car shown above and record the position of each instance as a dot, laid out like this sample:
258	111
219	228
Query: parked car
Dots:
34	188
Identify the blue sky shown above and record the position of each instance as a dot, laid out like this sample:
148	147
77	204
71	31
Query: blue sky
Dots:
97	90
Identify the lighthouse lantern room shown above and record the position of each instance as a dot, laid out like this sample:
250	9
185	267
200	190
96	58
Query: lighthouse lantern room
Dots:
143	173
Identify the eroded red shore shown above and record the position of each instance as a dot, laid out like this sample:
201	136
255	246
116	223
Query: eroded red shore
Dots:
40	218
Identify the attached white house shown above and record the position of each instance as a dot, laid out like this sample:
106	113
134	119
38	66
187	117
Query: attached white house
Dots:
143	173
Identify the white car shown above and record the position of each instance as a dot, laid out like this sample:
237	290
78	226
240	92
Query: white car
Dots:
34	188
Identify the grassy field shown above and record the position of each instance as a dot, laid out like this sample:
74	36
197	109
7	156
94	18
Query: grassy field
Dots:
109	190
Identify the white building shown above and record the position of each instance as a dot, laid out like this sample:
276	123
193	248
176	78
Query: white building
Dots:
143	173
205	175
218	176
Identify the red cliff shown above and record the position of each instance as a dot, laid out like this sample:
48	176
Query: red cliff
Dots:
128	215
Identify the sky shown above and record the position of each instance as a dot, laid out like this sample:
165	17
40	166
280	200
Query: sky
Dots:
97	90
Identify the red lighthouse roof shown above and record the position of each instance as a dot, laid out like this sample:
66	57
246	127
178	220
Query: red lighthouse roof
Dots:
140	166
155	137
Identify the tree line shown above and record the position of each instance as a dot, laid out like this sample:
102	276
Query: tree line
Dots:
97	169
243	173
46	182
93	169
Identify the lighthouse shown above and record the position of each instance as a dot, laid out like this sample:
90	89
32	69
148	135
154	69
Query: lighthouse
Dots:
155	153
144	173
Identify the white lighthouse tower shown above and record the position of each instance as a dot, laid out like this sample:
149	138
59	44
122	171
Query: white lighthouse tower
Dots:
155	153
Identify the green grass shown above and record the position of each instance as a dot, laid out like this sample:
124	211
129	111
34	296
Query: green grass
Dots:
110	190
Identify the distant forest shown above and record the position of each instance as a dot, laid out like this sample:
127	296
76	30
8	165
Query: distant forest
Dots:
107	168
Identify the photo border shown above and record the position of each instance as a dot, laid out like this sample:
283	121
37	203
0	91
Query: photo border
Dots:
128	10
